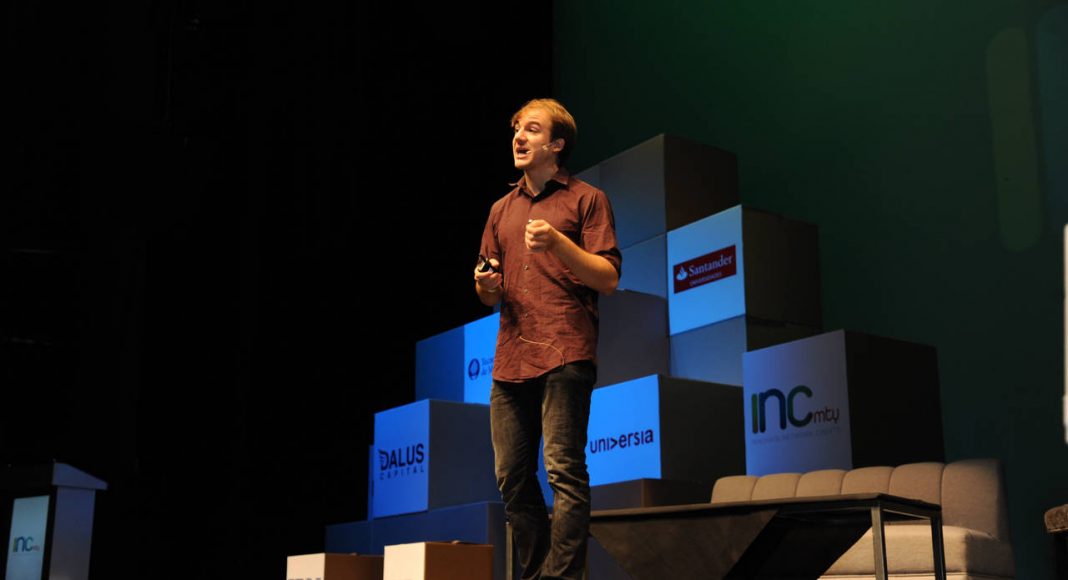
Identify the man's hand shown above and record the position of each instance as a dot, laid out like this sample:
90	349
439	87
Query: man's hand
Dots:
541	236
489	281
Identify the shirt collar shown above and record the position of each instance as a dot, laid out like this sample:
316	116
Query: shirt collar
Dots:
556	182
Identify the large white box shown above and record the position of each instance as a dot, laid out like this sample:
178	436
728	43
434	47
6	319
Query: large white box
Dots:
841	400
742	261
456	364
633	339
432	454
334	567
665	428
663	183
438	561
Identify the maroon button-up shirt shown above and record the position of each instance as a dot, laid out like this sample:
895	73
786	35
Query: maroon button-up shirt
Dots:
548	316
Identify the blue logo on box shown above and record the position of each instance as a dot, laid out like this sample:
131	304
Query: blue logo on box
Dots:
624	441
480	345
706	271
402	447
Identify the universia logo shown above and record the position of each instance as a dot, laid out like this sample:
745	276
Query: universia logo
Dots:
786	409
622	441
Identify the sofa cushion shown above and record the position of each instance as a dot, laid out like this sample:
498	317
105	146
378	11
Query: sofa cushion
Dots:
973	496
776	486
820	483
922	481
733	488
867	480
908	551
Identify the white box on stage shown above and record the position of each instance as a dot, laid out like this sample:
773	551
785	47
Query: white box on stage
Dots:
334	567
456	365
714	352
438	561
644	264
665	428
841	400
432	454
664	183
742	261
633	339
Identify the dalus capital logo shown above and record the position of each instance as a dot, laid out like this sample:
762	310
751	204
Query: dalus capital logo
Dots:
759	409
402	461
24	544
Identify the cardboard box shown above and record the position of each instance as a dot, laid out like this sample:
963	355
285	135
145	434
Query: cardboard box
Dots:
841	400
664	183
439	561
432	454
476	523
742	261
334	567
660	427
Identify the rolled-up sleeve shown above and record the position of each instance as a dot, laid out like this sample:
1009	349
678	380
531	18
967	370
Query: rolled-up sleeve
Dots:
599	230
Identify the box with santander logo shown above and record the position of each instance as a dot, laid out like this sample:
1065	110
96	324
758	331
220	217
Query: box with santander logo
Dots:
739	280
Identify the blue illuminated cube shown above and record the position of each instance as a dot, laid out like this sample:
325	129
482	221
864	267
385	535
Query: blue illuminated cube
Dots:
841	400
633	339
665	428
742	262
664	183
456	365
431	454
714	352
644	264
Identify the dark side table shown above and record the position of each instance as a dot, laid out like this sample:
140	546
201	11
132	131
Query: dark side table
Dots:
794	538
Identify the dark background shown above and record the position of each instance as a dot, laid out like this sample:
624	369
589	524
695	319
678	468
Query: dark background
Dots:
927	141
225	225
203	224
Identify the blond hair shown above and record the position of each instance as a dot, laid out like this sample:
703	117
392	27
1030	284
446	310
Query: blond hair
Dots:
563	124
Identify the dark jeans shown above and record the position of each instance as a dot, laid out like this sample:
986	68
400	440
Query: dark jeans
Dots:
556	406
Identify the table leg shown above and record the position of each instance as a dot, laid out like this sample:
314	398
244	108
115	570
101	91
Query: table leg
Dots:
509	564
879	539
938	548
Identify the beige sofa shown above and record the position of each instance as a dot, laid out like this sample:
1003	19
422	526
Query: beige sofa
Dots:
971	493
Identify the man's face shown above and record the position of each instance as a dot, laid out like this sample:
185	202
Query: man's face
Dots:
532	145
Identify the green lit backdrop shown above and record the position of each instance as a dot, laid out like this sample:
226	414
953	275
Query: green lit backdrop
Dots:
929	143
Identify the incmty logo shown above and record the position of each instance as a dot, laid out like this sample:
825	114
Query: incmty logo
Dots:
759	409
24	544
705	269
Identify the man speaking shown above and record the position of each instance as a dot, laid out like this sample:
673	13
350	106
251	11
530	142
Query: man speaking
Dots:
548	250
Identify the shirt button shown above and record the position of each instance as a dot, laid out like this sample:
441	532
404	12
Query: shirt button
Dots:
526	267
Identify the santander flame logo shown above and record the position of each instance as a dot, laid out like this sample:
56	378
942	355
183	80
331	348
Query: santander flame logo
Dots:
705	269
